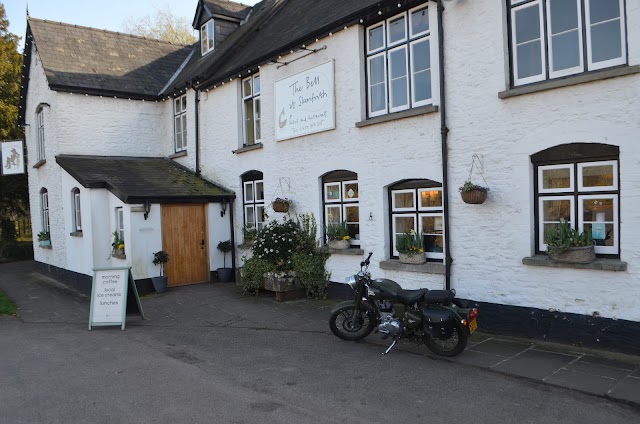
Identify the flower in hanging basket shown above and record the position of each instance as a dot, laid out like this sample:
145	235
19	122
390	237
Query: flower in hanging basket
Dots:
472	193
281	205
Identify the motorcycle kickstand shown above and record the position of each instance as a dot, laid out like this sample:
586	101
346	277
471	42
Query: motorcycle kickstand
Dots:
391	347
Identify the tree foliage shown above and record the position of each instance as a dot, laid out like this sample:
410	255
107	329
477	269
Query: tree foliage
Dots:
162	25
14	192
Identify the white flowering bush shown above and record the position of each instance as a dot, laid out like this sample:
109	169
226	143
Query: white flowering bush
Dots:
277	242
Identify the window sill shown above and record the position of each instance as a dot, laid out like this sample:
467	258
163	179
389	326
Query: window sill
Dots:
248	148
178	155
46	247
76	234
353	252
426	268
599	264
422	110
39	163
569	81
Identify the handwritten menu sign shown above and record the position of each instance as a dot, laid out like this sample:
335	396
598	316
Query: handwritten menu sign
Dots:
109	297
305	103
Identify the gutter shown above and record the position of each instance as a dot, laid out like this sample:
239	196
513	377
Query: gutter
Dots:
444	131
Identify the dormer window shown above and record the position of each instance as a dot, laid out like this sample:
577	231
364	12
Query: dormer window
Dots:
206	37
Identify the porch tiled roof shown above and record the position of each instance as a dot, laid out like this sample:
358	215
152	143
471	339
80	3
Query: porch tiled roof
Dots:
134	179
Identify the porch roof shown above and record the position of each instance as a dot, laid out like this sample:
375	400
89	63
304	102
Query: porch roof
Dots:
135	180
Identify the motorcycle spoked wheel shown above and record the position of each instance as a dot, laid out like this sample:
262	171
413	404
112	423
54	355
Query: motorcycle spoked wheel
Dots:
343	325
452	346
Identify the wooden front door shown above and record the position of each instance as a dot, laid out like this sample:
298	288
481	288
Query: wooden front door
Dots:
184	238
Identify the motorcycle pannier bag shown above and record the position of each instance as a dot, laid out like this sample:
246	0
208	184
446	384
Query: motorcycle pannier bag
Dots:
438	323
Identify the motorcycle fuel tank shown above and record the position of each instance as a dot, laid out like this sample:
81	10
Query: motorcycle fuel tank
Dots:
386	286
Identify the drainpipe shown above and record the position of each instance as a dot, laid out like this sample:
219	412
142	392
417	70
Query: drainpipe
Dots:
197	132
444	131
233	240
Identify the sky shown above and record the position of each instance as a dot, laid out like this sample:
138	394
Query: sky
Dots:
109	15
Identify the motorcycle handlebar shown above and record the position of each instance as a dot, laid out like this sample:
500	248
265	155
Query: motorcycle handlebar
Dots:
366	261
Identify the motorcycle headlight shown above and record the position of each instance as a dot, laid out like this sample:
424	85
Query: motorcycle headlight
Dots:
352	281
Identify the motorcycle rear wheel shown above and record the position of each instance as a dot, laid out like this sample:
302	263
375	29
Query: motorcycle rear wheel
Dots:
452	346
342	323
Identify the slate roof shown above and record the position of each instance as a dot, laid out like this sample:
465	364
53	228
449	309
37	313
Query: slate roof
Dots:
228	8
134	180
89	60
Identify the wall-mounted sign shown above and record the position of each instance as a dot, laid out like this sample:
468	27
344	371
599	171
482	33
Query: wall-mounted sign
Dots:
113	294
12	157
305	103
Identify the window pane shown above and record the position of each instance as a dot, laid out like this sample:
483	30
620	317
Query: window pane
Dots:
210	35
566	50
420	55
259	217
256	85
399	90
597	176
603	10
250	216
377	83
377	97
334	214
597	210
332	191
431	199
419	21
184	103
421	77
397	30
376	38
351	191
398	72
422	86
564	15
432	227
176	106
256	105
606	41
259	191
529	59
248	192
556	178
527	24
554	210
602	233
184	130
248	114
178	127
376	70
246	87
352	217
403	200
404	224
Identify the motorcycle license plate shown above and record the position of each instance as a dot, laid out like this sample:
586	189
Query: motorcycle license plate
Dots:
473	326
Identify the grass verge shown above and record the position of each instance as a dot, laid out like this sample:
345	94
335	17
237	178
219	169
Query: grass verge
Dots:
7	307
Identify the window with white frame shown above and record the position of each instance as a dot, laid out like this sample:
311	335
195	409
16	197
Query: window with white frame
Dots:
120	224
555	38
398	53
44	206
341	201
253	200
40	133
75	204
585	193
206	37
417	205
251	109
180	123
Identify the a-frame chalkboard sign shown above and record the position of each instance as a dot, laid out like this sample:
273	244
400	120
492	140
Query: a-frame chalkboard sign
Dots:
113	296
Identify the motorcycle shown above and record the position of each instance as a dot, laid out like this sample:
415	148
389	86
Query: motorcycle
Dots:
435	317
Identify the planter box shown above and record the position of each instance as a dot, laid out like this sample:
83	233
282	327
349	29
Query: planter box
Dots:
416	259
474	197
44	243
284	284
575	255
339	244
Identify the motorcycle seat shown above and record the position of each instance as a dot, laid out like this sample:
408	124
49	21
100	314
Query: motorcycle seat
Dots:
440	297
410	296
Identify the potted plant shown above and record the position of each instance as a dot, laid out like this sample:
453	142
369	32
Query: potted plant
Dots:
338	236
225	273
566	244
281	205
160	283
44	238
117	247
410	248
472	193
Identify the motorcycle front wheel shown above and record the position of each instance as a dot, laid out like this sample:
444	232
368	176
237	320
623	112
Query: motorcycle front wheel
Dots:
451	346
344	325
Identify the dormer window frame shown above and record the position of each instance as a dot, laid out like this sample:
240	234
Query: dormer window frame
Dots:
207	37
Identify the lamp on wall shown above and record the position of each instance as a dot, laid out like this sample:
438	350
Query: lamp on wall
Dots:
147	208
223	205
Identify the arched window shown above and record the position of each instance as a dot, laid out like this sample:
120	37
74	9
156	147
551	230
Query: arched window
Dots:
40	132
253	200
341	202
44	206
579	183
75	207
417	205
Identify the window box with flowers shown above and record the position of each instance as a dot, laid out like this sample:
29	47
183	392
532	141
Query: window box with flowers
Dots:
117	247
568	245
338	236
410	248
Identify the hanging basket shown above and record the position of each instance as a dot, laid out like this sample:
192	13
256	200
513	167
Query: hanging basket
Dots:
280	206
474	197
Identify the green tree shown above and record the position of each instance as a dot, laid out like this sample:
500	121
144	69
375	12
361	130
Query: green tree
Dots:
163	25
14	192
